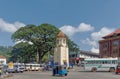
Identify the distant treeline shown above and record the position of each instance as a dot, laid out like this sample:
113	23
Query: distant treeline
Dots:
5	51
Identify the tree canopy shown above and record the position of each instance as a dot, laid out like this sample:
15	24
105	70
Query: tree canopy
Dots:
42	37
39	39
23	52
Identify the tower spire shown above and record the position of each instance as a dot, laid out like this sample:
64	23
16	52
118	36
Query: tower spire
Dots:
61	35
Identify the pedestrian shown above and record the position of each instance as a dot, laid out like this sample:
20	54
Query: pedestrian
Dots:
72	65
0	72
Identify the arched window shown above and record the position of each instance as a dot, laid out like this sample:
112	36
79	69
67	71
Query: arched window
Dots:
64	41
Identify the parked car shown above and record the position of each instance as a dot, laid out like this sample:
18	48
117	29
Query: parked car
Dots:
4	68
17	67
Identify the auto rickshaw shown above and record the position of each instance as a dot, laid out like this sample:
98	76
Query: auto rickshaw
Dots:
117	69
60	71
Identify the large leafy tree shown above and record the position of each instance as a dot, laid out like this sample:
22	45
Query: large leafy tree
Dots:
45	41
42	38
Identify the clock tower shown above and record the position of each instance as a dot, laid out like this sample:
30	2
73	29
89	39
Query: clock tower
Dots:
61	55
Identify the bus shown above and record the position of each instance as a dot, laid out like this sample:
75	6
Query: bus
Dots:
100	64
33	67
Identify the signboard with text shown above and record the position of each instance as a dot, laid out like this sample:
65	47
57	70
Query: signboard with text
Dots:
10	65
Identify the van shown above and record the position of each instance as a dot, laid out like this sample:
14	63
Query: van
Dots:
17	67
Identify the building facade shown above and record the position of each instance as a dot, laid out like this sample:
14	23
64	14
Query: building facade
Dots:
87	54
2	59
77	58
110	45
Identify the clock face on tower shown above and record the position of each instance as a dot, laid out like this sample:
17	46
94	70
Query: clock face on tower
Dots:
64	41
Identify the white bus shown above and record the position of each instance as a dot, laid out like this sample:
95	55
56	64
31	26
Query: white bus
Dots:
100	64
33	67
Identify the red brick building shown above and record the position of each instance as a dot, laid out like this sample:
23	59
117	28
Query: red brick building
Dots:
110	45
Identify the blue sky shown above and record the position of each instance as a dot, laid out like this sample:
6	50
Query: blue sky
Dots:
84	21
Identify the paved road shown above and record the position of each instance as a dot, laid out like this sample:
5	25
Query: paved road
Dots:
78	73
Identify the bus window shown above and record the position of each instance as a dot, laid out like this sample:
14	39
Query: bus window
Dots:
114	62
106	62
102	62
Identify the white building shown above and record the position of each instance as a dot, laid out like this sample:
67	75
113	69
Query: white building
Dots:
79	57
61	50
87	54
2	59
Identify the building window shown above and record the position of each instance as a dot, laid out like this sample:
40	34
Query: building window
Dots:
73	55
115	43
105	45
60	40
105	54
115	53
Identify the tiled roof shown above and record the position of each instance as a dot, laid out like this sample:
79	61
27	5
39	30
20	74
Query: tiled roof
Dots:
61	34
2	57
116	32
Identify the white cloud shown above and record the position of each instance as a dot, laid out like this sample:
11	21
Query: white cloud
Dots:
95	50
89	42
98	35
9	27
71	30
95	37
84	27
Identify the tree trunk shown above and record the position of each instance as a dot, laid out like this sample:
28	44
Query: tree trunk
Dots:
39	57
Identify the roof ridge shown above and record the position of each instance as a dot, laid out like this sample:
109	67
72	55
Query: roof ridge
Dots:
117	31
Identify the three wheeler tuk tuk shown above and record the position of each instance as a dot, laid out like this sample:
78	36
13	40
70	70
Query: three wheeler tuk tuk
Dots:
60	71
117	69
